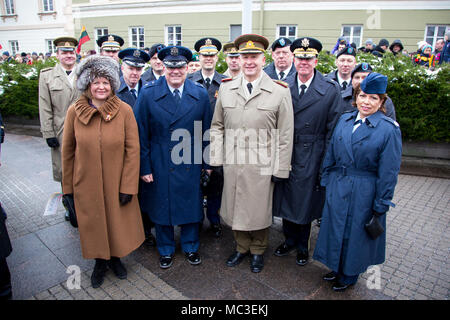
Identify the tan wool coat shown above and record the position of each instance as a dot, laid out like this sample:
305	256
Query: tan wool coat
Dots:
252	137
56	94
100	158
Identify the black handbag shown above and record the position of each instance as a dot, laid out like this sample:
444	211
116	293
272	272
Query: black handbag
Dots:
69	204
374	227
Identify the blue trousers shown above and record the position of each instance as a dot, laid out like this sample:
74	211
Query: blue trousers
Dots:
165	238
212	209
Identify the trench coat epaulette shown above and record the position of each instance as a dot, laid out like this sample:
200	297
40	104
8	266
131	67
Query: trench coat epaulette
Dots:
46	69
282	83
198	84
149	84
226	79
395	123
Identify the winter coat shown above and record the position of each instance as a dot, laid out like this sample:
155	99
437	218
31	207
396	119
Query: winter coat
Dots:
426	60
100	155
148	75
172	146
300	198
360	174
243	141
445	54
124	93
56	94
272	72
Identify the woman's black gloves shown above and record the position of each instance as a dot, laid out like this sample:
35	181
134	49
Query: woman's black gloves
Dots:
124	198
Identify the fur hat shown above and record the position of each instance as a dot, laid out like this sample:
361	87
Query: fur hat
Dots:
97	66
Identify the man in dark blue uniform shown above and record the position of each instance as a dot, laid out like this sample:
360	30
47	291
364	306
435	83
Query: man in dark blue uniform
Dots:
156	66
173	115
210	79
317	106
345	62
282	65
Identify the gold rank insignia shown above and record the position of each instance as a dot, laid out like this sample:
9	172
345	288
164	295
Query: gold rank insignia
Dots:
249	44
216	94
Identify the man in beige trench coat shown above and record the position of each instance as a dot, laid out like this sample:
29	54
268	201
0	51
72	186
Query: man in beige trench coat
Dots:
251	138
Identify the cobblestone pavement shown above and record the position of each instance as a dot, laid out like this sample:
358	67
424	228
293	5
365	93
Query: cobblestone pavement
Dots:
416	264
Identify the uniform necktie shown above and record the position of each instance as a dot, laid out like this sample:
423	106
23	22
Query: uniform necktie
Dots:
281	75
208	82
176	95
344	85
68	72
357	125
133	91
302	92
250	87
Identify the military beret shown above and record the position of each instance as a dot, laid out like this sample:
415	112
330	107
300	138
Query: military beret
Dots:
306	47
110	42
175	56
65	43
155	49
362	67
251	43
348	51
208	46
134	57
374	83
281	43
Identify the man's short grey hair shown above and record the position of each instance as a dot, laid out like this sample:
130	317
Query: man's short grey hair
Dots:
97	66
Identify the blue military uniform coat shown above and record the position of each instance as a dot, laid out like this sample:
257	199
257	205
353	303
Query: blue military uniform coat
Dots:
300	199
148	75
360	174
174	198
271	72
125	95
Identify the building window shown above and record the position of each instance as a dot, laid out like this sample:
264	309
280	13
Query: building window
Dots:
98	33
9	7
353	33
435	33
14	47
287	31
50	46
47	5
173	35
235	31
137	37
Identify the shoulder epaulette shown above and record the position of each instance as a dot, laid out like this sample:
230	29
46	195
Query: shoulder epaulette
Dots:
226	79
46	69
198	84
149	84
395	123
282	83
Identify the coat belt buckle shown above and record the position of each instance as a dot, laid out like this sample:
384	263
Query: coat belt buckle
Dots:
344	170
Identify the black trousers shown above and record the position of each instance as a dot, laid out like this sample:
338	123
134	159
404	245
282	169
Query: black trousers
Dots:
5	280
297	235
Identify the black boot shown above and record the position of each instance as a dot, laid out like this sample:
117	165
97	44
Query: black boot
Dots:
98	275
117	267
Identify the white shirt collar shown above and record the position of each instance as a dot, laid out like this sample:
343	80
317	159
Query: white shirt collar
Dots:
358	117
179	89
341	81
307	83
286	72
254	83
205	76
135	88
156	75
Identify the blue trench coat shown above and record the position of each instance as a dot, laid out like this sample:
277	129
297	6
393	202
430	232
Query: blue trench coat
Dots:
360	174
174	198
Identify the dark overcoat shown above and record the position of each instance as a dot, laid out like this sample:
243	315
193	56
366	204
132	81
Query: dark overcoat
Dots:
5	243
148	75
171	150
213	90
300	199
271	72
125	95
360	174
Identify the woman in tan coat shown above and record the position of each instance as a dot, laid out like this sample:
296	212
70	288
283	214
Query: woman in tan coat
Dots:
100	160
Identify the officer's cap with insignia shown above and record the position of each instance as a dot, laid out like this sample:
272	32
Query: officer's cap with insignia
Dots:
306	48
281	43
208	46
230	49
65	43
251	43
175	56
134	57
347	51
374	83
362	67
110	42
155	49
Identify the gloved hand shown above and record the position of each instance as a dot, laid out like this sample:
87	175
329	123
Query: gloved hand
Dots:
377	214
218	170
124	198
276	179
52	142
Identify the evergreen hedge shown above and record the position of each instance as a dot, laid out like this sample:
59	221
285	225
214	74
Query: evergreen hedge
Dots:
421	97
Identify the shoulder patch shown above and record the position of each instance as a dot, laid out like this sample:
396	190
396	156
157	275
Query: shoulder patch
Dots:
226	79
46	69
282	83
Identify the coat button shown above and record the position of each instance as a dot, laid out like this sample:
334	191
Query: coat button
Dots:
307	125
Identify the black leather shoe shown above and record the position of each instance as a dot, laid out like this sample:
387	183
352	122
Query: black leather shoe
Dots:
98	275
330	276
339	286
165	261
150	240
117	267
302	258
283	250
236	258
217	230
257	263
66	216
193	258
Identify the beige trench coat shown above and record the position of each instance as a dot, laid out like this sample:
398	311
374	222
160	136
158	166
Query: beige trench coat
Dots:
56	94
252	138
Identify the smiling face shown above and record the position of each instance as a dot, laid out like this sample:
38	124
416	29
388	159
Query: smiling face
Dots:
100	89
156	64
66	58
208	62
252	64
368	103
305	67
175	76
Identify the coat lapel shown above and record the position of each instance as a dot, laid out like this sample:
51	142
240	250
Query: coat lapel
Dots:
366	128
164	97
265	84
347	132
315	92
189	94
61	73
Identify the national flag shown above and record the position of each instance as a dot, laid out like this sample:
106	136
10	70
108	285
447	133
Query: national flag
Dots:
84	37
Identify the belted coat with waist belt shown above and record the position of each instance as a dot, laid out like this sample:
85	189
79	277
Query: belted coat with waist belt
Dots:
360	174
300	198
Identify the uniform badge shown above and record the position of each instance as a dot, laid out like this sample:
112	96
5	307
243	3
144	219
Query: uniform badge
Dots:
305	42
67	44
136	53
250	44
350	50
365	66
208	42
174	51
108	117
110	38
282	42
216	94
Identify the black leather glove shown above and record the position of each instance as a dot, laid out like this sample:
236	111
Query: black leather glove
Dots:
52	142
276	179
2	134
218	170
69	204
378	214
124	198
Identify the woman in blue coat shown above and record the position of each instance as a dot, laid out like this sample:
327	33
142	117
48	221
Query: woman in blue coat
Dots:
360	173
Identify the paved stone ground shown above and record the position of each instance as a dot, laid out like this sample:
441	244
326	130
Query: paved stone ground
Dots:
416	264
